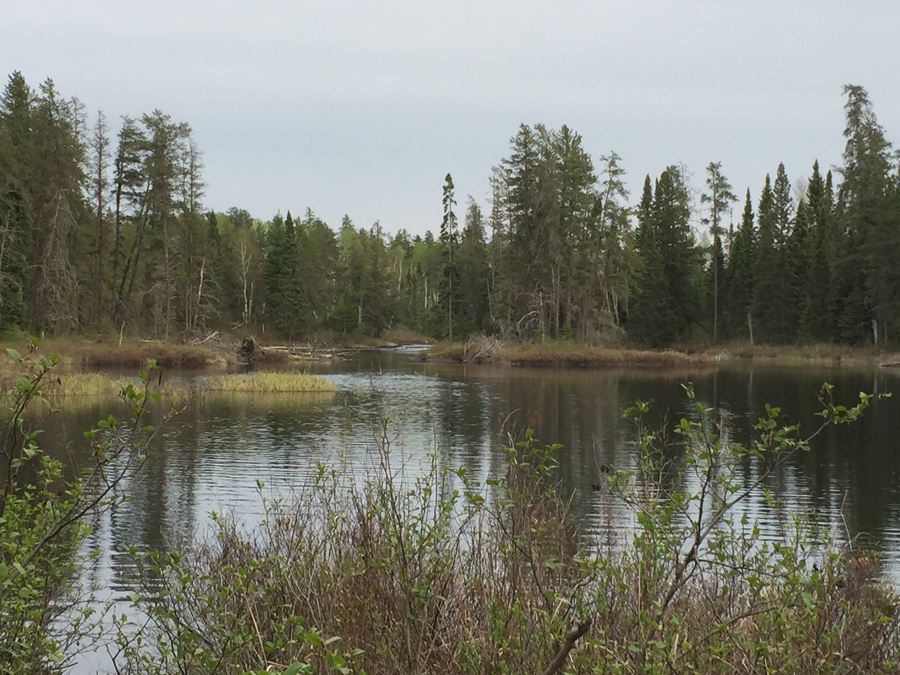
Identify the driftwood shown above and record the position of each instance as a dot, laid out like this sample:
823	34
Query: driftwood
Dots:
251	351
571	638
211	336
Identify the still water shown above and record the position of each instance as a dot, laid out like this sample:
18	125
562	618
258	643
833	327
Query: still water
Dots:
216	451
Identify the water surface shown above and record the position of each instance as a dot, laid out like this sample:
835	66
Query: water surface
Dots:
216	451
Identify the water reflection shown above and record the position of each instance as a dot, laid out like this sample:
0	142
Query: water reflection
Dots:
220	446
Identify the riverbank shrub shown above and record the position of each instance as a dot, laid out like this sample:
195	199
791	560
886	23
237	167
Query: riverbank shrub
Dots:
392	574
44	619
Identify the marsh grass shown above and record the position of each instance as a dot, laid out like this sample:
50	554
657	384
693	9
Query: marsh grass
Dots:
240	402
130	354
569	354
563	353
269	382
820	354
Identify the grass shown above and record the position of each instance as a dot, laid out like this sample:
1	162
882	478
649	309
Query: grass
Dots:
566	354
240	403
820	354
269	381
73	352
570	354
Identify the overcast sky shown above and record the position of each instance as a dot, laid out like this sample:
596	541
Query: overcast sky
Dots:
363	107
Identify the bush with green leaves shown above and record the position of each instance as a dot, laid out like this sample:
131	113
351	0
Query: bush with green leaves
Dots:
44	618
697	588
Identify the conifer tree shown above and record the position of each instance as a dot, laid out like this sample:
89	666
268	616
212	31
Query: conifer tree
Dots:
817	320
740	277
866	284
648	311
767	290
719	199
473	271
449	290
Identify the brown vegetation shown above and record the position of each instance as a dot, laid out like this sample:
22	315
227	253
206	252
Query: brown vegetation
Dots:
130	355
565	354
481	349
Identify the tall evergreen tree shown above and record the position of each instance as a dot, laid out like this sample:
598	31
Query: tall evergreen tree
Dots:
472	262
449	290
647	313
865	270
816	320
719	199
740	279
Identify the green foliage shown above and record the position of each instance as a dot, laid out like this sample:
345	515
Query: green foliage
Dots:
43	619
99	231
669	300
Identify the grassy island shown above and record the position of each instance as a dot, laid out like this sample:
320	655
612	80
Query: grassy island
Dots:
269	381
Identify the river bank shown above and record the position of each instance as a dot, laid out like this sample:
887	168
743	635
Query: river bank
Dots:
573	355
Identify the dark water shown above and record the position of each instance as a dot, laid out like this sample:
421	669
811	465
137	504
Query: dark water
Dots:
217	450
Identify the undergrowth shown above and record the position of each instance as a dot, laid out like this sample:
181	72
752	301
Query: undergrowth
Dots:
441	574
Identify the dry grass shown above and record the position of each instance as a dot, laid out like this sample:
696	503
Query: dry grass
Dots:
822	354
128	355
268	381
570	354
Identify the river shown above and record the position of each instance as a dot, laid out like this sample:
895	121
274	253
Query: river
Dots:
217	450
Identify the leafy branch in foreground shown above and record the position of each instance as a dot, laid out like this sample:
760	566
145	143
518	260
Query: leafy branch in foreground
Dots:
697	557
43	515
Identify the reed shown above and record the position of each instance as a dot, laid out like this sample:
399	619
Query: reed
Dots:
269	381
566	354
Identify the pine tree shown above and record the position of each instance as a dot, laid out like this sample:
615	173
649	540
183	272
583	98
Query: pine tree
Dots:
719	199
667	306
473	272
16	143
648	319
866	281
817	321
767	292
740	279
449	290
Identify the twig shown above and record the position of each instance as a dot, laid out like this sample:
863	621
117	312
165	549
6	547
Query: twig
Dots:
571	638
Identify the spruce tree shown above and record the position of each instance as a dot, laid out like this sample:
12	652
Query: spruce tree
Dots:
449	289
718	199
740	277
817	321
473	268
866	283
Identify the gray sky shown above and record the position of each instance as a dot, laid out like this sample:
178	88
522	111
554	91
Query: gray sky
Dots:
363	107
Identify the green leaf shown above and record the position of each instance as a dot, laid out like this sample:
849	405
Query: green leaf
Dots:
14	354
314	639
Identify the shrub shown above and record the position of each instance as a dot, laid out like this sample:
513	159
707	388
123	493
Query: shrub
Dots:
43	619
440	574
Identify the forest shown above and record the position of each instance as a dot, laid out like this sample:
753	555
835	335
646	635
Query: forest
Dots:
103	232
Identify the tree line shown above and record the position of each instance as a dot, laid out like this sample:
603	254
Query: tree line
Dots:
104	231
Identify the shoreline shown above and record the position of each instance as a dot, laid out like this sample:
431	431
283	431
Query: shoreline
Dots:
571	355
